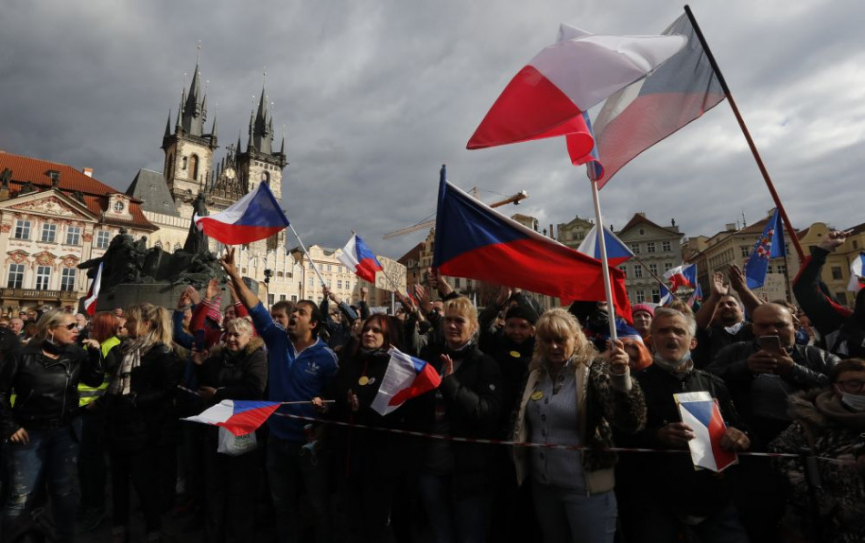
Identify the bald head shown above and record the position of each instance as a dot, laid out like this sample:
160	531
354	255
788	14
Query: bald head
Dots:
774	320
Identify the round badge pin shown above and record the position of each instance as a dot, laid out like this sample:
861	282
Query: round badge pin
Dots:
537	395
515	354
363	381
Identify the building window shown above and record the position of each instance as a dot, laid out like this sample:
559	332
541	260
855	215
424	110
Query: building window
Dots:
103	237
73	235
43	277
456	282
49	233
650	247
668	266
855	244
339	284
638	271
656	296
745	251
624	270
782	268
665	246
635	248
22	230
653	269
329	267
67	280
294	298
836	272
194	167
769	269
282	297
16	276
641	296
271	299
311	282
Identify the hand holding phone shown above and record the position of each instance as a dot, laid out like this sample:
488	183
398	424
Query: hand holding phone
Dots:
771	344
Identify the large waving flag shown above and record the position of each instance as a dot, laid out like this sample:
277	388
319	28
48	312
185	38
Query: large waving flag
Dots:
666	296
93	292
549	95
642	114
700	411
769	245
617	251
236	416
682	276
256	216
406	377
857	273
473	241
358	258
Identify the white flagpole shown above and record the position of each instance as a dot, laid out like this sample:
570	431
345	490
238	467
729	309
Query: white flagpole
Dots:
611	309
314	267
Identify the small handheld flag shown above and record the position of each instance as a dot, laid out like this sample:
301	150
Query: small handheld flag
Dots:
406	377
700	411
93	293
857	273
666	296
769	245
682	276
256	216
236	416
617	251
359	259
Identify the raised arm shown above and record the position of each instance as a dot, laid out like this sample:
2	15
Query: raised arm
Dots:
707	310
740	285
246	296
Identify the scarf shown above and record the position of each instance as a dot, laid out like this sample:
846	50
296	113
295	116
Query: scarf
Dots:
829	405
132	351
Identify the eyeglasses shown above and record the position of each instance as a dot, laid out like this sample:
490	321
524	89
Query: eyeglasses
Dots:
71	326
851	385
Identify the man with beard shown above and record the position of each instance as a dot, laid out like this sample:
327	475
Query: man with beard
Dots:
661	494
721	321
300	368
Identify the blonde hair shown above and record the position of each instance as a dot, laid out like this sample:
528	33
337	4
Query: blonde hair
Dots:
560	323
239	325
464	307
47	322
160	324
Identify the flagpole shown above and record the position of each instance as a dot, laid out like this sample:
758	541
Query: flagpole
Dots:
747	134
608	289
314	267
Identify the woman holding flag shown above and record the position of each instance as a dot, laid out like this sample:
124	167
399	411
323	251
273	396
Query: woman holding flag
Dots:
572	397
370	465
236	370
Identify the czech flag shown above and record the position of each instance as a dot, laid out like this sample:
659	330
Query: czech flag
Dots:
682	276
357	257
857	273
617	251
549	95
406	377
474	241
700	411
666	296
256	216
644	113
93	293
236	416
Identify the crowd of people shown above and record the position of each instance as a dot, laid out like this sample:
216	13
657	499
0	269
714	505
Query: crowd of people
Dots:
85	402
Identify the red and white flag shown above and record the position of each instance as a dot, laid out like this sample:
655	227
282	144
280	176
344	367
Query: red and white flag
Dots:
548	96
93	293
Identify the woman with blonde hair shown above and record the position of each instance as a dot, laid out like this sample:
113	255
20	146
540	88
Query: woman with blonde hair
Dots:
455	481
41	430
571	397
138	406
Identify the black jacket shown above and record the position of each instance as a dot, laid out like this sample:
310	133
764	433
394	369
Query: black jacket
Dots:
472	399
239	377
136	421
46	389
670	479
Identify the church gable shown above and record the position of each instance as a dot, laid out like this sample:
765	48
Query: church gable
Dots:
48	204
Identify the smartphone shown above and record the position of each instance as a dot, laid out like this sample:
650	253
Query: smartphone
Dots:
200	340
771	344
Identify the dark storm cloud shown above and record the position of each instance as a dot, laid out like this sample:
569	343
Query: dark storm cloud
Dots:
373	97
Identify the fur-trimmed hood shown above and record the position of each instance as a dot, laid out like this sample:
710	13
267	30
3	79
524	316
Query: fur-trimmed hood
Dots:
821	407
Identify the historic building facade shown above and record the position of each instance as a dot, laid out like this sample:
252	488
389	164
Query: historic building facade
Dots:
53	217
656	250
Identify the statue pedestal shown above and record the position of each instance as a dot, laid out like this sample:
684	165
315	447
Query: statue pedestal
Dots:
163	294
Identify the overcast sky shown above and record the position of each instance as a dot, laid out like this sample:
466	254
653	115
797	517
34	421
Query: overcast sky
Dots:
374	96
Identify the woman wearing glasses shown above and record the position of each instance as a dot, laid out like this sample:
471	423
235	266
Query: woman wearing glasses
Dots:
831	423
41	431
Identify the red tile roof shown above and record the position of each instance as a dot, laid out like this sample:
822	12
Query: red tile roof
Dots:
95	192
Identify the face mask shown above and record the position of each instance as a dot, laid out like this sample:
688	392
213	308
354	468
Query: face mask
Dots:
673	366
853	401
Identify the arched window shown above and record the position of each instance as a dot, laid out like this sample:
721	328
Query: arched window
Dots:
194	167
265	178
185	162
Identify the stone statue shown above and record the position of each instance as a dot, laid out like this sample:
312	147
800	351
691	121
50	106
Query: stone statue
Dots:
196	241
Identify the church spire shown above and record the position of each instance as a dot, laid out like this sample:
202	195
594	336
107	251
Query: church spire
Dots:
194	107
168	125
262	127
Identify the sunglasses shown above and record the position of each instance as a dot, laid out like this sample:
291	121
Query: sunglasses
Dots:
71	326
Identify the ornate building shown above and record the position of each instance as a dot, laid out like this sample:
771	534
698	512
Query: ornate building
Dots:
52	218
190	169
656	249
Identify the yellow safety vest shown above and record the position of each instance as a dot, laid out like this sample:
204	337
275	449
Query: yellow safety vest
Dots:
88	394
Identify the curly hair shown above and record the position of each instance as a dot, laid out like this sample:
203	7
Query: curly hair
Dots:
559	324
